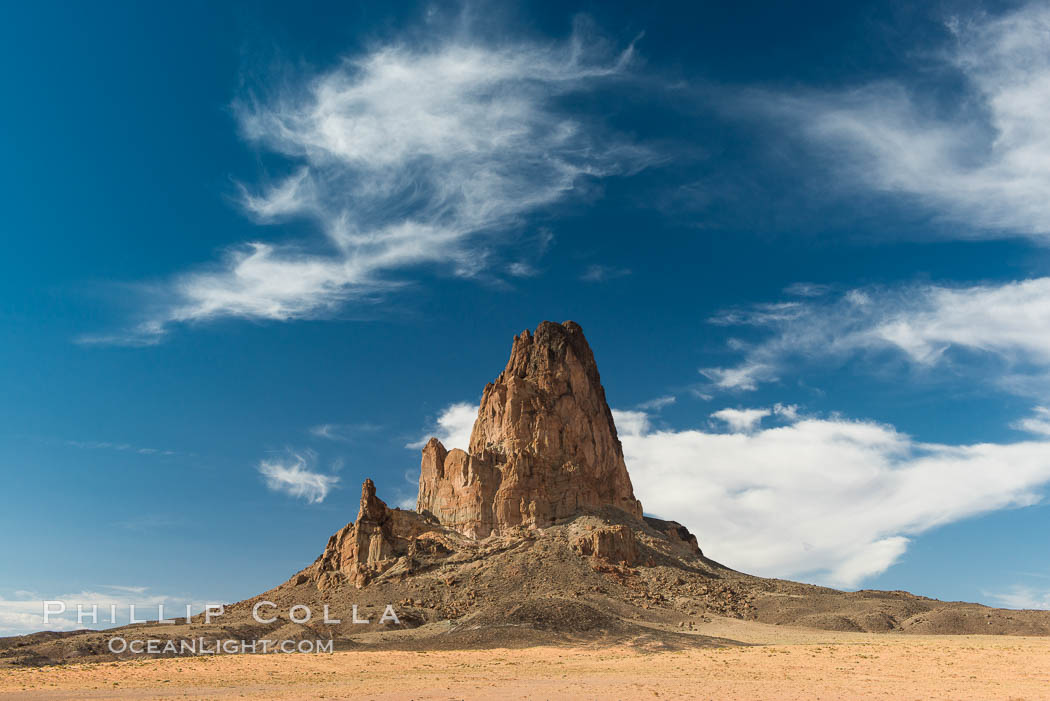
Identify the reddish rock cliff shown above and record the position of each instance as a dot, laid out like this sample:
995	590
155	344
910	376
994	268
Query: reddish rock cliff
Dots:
543	447
378	540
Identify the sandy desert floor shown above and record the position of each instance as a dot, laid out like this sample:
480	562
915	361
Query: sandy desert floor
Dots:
784	663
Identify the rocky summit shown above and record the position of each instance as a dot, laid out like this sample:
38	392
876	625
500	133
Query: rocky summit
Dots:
543	449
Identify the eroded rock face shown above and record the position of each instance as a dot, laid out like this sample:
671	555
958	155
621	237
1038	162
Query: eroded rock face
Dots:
616	544
677	534
380	538
458	489
544	446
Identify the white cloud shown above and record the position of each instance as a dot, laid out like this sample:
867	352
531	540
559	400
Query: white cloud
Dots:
807	289
983	159
741	419
827	500
454	426
327	431
658	403
743	377
1038	424
422	153
294	194
1021	597
293	477
341	432
22	613
521	269
121	447
928	325
630	422
264	281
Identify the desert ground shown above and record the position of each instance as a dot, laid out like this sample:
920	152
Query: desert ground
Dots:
778	662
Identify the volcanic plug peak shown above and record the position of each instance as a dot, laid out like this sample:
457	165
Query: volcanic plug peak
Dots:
543	447
543	450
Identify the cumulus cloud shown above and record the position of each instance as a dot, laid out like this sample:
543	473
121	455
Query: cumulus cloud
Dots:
741	420
293	477
827	500
454	426
983	159
423	153
1007	324
631	422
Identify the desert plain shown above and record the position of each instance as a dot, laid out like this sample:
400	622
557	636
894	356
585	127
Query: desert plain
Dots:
775	662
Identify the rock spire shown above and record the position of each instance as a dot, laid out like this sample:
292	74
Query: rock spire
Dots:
543	448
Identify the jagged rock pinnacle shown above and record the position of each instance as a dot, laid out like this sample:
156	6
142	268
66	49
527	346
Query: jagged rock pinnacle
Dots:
543	448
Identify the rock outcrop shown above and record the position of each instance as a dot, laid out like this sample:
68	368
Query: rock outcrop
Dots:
616	544
543	447
676	534
380	538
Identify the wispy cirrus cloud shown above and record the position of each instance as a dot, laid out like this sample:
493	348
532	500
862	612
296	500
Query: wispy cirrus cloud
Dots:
746	376
521	269
980	158
658	403
342	432
293	476
602	273
829	500
1001	330
121	447
422	154
807	289
1022	597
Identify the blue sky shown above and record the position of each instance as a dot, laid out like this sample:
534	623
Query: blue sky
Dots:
254	254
